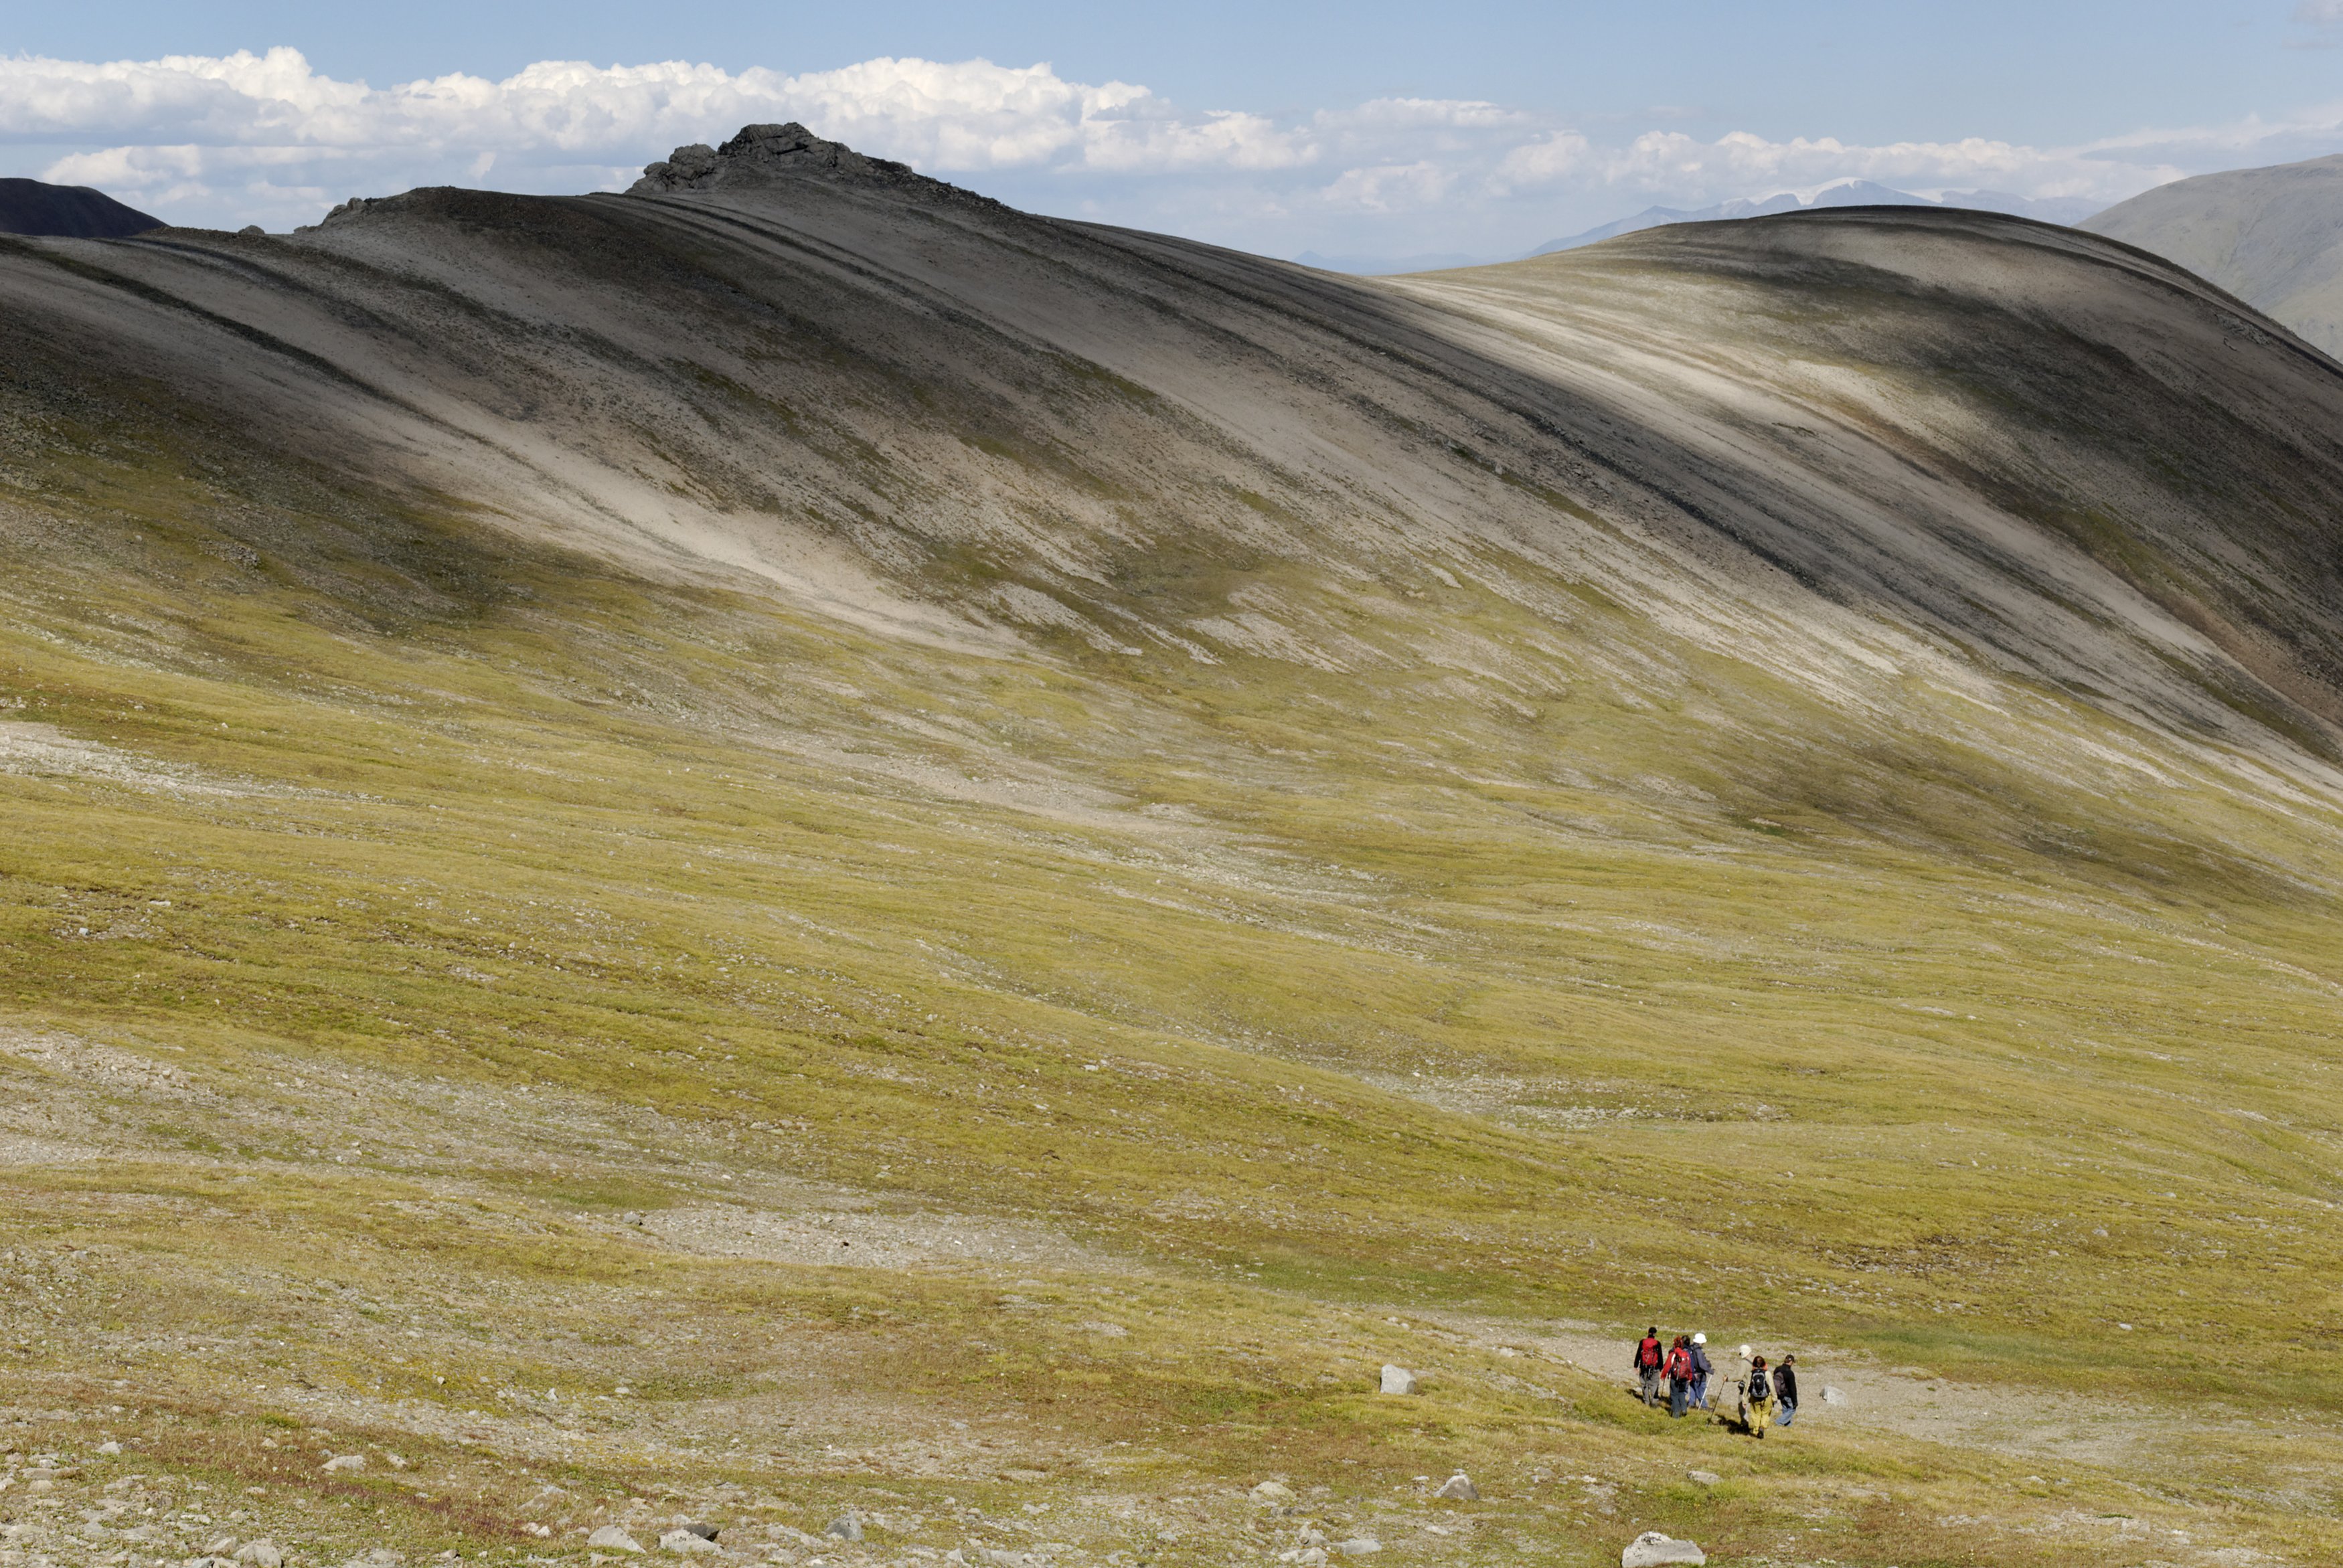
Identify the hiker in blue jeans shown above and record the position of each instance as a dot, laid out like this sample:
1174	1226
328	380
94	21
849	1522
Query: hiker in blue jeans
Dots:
1701	1370
1785	1389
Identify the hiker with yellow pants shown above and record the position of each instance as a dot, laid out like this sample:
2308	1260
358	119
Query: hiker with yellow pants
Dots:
1757	1398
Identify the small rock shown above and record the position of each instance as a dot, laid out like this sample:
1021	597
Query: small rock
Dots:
611	1538
1272	1491
379	1557
705	1532
261	1553
346	1462
1706	1477
1654	1549
1310	1535
1459	1487
684	1541
1315	1557
1398	1379
251	230
1834	1395
846	1527
109	1448
1359	1546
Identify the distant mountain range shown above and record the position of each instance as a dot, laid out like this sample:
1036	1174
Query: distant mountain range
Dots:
2272	236
1838	193
73	212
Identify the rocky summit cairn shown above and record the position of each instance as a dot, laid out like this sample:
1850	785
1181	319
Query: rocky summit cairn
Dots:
764	154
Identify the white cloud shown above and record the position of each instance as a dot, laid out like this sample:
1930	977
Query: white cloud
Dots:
2322	21
266	138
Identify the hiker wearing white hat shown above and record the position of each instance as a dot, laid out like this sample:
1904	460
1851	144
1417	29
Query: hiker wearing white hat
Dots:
1700	1371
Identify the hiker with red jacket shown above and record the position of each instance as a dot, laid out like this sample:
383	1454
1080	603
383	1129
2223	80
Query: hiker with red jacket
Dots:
1680	1376
1651	1360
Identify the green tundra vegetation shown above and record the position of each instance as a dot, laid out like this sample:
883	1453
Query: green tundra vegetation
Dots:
457	979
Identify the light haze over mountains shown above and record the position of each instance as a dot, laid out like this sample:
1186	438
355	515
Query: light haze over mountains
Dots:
2272	236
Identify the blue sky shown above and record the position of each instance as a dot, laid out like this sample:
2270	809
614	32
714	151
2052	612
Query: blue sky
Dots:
1475	125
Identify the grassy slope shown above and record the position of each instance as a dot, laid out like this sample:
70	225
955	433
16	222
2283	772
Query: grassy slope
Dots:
1378	988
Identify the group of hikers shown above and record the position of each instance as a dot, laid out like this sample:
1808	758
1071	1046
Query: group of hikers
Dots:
1680	1374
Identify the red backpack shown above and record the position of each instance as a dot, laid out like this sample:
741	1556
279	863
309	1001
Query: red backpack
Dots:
1648	1353
1680	1364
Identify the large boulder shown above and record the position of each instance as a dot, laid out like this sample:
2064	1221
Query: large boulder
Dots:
1654	1549
1398	1379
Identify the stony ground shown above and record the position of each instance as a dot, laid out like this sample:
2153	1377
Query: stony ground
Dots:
373	1372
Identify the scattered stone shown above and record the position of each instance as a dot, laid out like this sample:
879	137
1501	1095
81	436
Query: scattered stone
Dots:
346	1462
1315	1557
1398	1379
611	1538
847	1527
705	1532
109	1447
1654	1549
1272	1491
686	1542
261	1553
251	230
1359	1546
378	1557
1459	1487
1834	1395
1706	1477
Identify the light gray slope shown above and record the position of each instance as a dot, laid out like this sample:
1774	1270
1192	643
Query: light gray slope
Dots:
1847	193
1845	449
2272	236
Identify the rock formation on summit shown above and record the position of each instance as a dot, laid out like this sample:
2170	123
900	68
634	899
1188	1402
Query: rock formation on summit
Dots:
761	154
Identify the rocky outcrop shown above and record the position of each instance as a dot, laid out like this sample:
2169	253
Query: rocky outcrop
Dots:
762	154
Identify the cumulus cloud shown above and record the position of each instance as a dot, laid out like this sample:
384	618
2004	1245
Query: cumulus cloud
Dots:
266	138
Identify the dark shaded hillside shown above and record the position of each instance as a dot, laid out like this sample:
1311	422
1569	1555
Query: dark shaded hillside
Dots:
76	212
901	401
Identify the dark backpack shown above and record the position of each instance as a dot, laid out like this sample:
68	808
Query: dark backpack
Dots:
1758	1387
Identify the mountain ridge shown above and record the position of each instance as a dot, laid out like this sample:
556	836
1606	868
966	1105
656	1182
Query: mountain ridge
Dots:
2272	236
78	212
